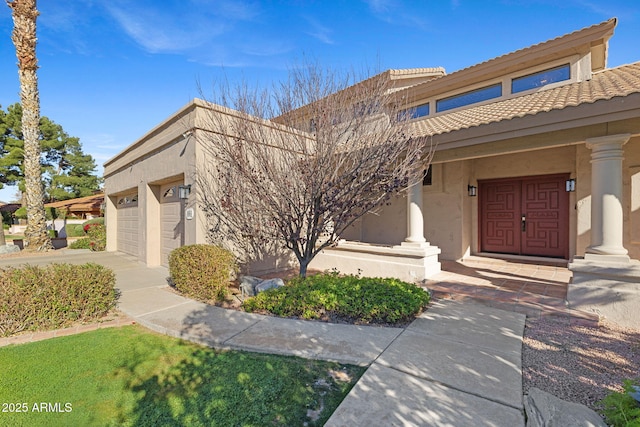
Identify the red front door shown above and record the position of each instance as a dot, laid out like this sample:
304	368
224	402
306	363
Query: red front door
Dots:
525	216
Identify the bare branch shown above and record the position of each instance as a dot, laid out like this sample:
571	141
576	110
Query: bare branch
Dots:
299	165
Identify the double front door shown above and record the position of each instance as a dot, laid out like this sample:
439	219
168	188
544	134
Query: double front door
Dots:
525	216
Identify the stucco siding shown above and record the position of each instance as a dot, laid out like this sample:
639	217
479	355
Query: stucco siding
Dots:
631	191
443	210
175	161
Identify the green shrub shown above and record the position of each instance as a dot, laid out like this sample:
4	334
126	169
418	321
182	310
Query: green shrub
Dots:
621	409
202	271
54	296
6	219
74	230
51	213
84	243
21	213
97	236
99	220
358	299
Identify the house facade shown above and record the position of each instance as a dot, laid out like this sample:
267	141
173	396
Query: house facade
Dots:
537	154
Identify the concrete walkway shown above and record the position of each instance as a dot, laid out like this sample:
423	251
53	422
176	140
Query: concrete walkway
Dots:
459	364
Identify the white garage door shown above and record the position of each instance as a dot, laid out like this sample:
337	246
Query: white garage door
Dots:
128	224
171	223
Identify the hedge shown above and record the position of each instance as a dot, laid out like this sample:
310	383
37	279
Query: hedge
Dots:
54	296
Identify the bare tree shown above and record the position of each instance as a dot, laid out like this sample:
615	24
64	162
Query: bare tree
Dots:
296	166
24	14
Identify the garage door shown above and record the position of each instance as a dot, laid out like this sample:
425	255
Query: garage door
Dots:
128	224
525	216
171	222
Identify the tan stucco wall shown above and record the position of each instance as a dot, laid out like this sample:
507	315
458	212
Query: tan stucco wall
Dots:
444	209
631	192
451	216
582	228
388	225
173	162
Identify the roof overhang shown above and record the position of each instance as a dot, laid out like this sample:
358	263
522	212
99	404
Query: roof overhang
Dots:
571	125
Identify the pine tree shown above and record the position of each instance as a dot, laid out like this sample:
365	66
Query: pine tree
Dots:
67	171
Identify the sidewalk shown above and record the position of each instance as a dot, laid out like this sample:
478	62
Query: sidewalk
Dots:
458	364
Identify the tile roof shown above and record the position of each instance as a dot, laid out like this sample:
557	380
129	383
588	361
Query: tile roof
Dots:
615	82
411	71
81	204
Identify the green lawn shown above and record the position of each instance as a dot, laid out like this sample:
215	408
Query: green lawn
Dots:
10	237
131	377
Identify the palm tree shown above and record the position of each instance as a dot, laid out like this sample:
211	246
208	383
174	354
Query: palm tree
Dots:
24	14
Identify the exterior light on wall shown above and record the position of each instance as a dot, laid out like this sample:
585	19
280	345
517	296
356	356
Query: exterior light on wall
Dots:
472	190
570	185
184	191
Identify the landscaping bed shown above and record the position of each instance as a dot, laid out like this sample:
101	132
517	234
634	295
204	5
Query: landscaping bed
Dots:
203	272
577	363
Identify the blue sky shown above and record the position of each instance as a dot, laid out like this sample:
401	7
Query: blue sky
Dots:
111	70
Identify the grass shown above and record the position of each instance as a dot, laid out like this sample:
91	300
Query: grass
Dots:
131	377
9	237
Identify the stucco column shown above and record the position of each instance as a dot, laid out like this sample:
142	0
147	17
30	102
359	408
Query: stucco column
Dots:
606	195
415	220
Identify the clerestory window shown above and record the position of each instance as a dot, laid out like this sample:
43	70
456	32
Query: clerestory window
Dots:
471	97
541	78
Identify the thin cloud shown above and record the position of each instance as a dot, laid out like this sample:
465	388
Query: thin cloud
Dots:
319	31
395	13
607	10
179	26
160	32
381	6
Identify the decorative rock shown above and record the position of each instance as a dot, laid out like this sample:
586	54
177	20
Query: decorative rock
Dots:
248	285
7	249
251	286
546	410
269	284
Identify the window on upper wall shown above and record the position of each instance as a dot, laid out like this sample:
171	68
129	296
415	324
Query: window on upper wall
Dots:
471	97
541	78
417	111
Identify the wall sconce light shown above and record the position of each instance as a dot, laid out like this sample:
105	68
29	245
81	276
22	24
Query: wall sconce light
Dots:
184	191
570	185
472	190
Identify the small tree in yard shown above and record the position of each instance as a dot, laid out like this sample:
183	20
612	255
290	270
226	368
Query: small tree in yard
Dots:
295	167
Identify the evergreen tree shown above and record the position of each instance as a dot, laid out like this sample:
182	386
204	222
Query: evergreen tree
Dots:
67	171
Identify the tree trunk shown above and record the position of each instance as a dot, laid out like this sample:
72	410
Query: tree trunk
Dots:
24	38
304	263
2	239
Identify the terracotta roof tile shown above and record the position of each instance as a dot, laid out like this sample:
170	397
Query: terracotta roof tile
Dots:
411	71
615	82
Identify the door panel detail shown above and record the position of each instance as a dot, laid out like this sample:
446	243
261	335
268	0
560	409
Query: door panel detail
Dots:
525	216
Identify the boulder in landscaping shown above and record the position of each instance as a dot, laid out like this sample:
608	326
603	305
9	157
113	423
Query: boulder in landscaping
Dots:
248	285
546	410
251	286
269	284
8	249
